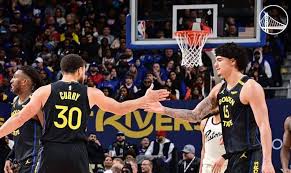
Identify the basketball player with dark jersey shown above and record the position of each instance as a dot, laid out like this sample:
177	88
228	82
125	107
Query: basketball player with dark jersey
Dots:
26	138
286	147
243	111
66	106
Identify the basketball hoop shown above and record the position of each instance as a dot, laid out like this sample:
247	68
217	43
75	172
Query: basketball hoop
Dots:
191	44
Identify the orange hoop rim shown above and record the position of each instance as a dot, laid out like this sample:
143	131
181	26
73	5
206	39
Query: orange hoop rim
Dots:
192	32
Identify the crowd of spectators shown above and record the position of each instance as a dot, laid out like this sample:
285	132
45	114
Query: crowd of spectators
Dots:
159	155
39	33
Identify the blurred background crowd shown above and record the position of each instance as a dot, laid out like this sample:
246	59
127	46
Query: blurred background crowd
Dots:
39	33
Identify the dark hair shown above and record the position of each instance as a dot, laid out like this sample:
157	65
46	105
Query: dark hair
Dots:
232	50
71	63
33	75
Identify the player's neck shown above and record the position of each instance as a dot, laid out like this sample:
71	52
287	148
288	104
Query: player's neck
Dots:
24	96
233	78
70	78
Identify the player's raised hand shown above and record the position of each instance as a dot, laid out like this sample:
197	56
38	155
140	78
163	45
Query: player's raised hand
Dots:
155	95
155	107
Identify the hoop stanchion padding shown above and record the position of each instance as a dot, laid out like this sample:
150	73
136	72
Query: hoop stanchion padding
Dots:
191	44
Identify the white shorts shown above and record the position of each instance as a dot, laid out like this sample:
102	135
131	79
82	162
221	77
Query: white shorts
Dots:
208	169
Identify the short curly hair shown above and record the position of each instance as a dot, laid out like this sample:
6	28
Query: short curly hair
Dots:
33	75
232	50
71	63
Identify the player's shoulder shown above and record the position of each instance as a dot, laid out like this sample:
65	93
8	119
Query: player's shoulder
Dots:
218	86
92	90
203	124
43	90
252	85
288	120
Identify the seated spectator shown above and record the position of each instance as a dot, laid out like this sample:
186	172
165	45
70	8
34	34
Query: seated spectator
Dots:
107	82
122	66
128	83
102	48
120	147
94	74
170	56
159	74
140	68
170	66
107	57
174	93
130	166
95	152
44	77
261	67
121	50
108	162
196	92
123	94
144	144
107	91
147	82
59	17
190	163
129	56
136	74
160	151
199	83
147	166
177	83
39	64
90	83
70	34
106	34
117	166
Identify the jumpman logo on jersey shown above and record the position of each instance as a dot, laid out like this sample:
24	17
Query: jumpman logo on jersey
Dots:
243	156
27	162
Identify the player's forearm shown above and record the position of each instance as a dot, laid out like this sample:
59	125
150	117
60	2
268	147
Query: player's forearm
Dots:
285	157
129	106
266	139
10	125
205	107
183	114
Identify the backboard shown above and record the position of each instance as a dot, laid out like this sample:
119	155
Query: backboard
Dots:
151	24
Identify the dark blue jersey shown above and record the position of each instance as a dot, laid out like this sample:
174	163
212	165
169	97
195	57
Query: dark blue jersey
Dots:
27	137
65	113
240	131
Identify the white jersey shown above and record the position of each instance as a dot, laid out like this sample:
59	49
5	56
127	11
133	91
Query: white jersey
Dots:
212	139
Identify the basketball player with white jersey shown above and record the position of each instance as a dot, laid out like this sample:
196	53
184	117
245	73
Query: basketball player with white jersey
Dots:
213	147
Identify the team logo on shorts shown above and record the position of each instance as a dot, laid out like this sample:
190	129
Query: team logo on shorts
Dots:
271	22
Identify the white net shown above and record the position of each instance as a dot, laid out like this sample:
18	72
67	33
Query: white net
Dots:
191	44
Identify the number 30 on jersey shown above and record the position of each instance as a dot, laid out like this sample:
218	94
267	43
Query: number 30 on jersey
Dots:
68	118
